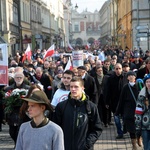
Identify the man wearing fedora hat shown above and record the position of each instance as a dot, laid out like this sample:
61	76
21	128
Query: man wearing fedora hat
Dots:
40	133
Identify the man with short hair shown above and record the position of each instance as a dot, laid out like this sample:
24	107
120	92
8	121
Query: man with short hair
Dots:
79	119
89	84
62	93
146	70
14	124
114	85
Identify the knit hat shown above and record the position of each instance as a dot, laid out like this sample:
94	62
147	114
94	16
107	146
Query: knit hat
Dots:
131	73
40	98
146	77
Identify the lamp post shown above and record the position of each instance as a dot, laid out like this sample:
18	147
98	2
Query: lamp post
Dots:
149	26
138	42
19	25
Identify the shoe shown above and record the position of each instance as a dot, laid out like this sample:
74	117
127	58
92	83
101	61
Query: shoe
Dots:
119	137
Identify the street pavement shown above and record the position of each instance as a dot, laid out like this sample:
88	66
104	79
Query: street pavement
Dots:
106	141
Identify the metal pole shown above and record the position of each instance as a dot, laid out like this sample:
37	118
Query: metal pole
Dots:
138	42
20	27
148	26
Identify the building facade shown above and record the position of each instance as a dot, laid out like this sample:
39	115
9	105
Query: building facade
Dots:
39	23
105	24
85	28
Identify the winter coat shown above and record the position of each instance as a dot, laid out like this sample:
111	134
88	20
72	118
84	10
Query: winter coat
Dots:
141	73
90	88
55	84
113	91
127	105
142	112
80	122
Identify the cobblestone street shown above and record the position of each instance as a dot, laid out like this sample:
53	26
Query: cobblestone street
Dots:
106	141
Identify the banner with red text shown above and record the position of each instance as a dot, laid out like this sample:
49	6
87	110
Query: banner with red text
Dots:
77	58
3	64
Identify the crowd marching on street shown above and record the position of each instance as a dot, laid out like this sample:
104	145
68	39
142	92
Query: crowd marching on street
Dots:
49	104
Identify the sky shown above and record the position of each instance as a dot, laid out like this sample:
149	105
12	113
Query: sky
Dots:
91	5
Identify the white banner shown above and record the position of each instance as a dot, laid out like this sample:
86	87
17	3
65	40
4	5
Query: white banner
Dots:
3	64
77	58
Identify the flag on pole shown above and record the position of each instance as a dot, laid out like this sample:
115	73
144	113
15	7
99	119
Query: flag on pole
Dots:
50	51
87	46
70	47
27	54
69	65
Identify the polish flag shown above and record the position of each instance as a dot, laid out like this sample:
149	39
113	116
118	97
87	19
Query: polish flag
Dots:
50	51
27	54
87	46
139	111
69	65
70	47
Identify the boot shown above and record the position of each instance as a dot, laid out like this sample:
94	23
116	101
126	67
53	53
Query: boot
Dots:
139	141
134	144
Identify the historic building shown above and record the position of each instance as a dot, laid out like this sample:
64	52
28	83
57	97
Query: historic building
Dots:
105	24
85	28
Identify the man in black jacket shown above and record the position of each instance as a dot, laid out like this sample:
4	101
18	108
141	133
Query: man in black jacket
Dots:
89	84
79	118
114	85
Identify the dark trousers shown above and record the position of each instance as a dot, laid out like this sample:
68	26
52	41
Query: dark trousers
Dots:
103	111
13	131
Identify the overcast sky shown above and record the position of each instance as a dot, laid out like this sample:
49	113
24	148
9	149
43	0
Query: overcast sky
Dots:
91	5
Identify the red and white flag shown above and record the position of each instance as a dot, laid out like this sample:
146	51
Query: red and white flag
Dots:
70	47
27	54
139	111
50	51
87	46
69	65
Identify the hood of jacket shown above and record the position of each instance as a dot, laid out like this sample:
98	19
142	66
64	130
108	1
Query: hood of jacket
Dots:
142	92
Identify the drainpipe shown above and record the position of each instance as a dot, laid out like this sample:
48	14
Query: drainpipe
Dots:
138	42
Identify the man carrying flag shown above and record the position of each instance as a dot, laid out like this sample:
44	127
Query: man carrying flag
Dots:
49	52
70	47
69	65
27	54
87	46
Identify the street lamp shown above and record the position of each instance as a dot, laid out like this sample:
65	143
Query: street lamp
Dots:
76	7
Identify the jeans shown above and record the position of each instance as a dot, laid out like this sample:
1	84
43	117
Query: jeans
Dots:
146	139
118	125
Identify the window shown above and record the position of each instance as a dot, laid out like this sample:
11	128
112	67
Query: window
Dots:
76	28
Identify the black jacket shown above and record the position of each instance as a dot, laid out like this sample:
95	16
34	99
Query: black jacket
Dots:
80	122
114	86
90	88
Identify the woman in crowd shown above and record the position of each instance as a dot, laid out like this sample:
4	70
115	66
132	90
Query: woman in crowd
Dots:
142	113
24	116
40	133
126	106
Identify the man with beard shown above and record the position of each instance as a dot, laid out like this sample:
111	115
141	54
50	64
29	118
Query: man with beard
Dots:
62	93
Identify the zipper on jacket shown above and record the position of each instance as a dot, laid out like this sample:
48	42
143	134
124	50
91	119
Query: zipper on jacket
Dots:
74	123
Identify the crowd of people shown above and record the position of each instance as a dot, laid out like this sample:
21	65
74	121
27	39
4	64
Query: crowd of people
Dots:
67	109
